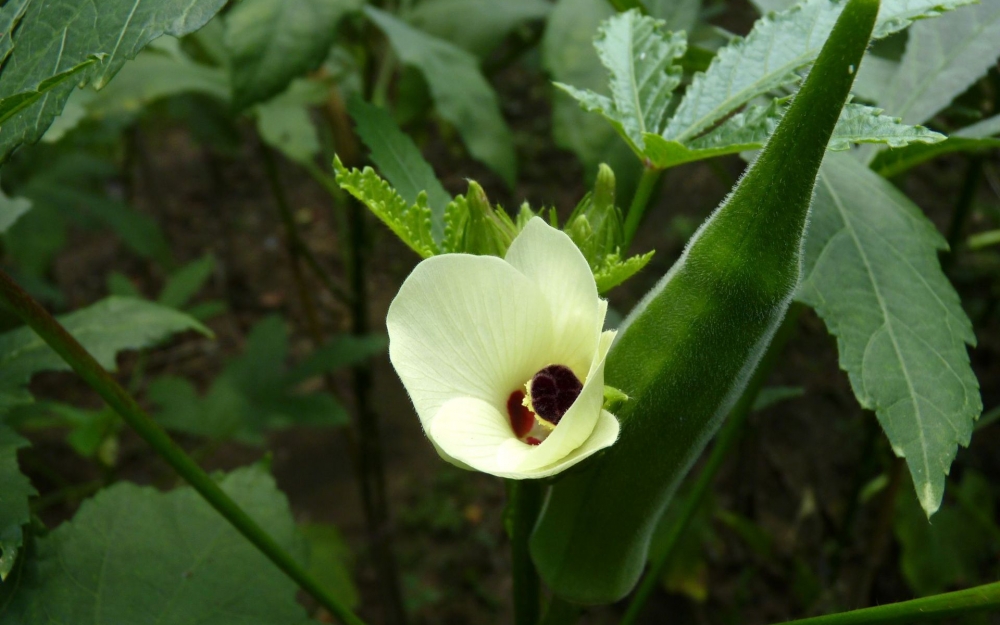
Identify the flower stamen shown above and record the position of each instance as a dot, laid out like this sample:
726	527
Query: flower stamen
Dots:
551	393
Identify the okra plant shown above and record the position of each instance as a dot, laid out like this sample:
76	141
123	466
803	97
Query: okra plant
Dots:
511	348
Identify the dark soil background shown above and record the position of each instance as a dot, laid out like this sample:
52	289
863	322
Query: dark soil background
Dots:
797	469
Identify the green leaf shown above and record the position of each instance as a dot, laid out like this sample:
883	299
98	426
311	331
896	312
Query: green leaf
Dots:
770	395
640	58
284	122
104	329
135	555
678	14
410	222
749	130
57	36
889	163
10	14
254	394
568	55
399	160
950	552
153	76
461	94
16	490
185	283
331	561
11	209
272	42
769	57
11	105
943	58
687	350
477	26
901	333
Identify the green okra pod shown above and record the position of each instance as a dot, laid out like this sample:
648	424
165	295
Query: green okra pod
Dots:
686	352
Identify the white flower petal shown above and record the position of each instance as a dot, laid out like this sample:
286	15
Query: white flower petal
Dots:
604	435
576	426
553	262
467	326
471	431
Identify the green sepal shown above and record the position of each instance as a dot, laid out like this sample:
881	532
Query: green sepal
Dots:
614	399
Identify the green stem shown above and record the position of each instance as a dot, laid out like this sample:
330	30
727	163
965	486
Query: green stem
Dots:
727	438
32	313
561	612
936	607
962	209
648	182
525	501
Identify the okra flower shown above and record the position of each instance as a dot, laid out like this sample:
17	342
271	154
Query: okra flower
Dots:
504	358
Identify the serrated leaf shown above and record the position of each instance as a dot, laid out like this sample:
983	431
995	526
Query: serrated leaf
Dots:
943	58
104	329
96	568
11	209
462	96
272	42
410	222
772	54
871	272
478	26
255	392
889	163
399	160
639	56
456	217
614	271
284	122
750	129
56	36
185	283
15	489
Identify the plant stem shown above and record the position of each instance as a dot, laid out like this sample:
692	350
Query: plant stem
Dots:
370	463
962	209
936	607
724	443
647	184
297	248
101	381
524	498
561	612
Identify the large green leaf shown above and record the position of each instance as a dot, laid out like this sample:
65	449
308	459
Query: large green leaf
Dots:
771	56
478	26
399	160
135	555
461	94
685	353
272	42
15	489
10	14
943	57
871	272
255	392
55	36
749	130
639	57
153	76
12	104
891	163
104	329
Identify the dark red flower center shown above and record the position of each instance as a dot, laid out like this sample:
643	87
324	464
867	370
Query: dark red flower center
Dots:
521	419
553	391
